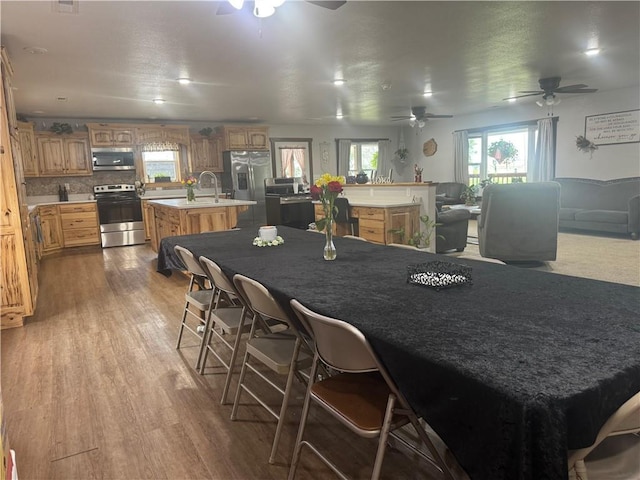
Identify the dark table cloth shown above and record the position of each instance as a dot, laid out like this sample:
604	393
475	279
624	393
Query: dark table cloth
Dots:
511	371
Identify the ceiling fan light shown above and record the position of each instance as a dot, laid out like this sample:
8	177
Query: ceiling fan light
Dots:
237	4
263	9
420	123
412	122
591	52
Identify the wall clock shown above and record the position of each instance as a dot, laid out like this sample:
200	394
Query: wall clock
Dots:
429	148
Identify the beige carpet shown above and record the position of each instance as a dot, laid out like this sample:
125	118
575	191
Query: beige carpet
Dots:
611	258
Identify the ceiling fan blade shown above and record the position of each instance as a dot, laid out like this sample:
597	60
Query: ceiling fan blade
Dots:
331	5
531	92
576	90
522	96
431	115
570	87
401	117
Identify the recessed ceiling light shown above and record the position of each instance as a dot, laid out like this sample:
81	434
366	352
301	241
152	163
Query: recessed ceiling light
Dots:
159	101
339	116
36	50
338	81
512	100
592	52
427	94
184	81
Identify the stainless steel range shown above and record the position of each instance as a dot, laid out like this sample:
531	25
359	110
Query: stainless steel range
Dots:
120	215
286	204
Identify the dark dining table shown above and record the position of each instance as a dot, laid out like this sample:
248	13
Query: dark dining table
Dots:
511	370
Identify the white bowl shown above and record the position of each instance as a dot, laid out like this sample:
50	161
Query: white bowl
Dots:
268	233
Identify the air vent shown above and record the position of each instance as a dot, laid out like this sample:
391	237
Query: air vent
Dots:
64	6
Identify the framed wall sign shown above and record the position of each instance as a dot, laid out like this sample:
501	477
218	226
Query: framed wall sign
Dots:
613	128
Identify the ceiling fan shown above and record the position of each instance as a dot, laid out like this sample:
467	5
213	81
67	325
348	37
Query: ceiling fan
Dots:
418	117
266	8
548	89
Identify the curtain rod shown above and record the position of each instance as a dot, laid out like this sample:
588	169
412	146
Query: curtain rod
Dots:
364	139
504	125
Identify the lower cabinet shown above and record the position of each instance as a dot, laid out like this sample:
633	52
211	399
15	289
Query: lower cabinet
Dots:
51	228
79	223
383	225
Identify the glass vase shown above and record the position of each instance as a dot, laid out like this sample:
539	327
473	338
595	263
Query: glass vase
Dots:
329	248
191	194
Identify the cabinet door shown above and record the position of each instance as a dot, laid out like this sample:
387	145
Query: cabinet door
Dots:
51	232
77	156
123	137
236	138
257	138
148	135
50	155
101	137
215	154
199	146
29	152
176	135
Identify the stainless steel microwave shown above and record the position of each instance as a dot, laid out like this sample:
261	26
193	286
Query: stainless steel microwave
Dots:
113	159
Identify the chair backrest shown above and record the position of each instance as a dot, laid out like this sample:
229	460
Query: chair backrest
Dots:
342	204
217	276
189	261
624	420
519	221
339	344
260	299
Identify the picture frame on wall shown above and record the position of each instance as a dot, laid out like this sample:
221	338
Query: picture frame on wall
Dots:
613	128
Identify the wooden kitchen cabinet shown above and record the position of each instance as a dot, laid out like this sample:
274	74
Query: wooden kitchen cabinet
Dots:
147	218
162	134
51	228
377	223
206	153
244	138
63	155
166	223
104	135
79	222
27	139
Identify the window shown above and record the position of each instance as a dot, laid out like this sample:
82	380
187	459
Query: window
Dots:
501	154
363	156
161	163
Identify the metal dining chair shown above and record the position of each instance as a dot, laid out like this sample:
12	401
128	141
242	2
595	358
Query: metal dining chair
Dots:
615	454
198	300
285	352
230	320
361	395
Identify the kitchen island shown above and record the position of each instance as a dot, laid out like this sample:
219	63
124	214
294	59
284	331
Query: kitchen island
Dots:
176	216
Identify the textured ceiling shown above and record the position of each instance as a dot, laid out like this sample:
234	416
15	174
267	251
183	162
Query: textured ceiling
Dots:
112	58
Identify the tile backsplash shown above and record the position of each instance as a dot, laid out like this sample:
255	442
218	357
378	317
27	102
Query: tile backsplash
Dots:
49	185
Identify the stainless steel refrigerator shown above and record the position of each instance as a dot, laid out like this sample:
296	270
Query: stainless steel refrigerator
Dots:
244	174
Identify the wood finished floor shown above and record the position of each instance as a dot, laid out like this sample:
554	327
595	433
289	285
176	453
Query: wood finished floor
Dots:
93	387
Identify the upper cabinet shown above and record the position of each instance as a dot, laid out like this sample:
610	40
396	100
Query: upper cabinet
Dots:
205	153
62	155
110	135
27	139
244	138
162	133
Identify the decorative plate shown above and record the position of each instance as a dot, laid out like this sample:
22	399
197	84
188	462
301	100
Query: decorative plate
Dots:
429	148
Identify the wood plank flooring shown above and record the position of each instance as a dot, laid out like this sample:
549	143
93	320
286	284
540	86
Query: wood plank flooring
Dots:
93	388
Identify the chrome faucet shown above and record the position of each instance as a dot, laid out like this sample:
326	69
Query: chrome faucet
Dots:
214	180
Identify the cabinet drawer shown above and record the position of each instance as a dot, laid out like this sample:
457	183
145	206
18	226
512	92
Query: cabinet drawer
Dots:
81	236
78	207
79	220
48	211
372	230
368	213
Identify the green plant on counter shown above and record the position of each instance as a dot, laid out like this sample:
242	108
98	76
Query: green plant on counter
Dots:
419	239
205	132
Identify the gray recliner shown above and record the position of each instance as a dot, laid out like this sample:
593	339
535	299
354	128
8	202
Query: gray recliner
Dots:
448	193
519	222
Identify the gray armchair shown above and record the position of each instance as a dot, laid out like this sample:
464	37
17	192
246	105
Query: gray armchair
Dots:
519	222
452	228
448	193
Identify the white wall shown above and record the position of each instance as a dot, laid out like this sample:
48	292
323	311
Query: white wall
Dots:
608	162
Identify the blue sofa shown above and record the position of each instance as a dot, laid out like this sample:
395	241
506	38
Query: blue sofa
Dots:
601	205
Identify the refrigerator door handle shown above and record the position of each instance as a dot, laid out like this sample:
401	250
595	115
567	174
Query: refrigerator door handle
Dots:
252	185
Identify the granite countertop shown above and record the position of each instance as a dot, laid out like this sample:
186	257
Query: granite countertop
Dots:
207	202
379	202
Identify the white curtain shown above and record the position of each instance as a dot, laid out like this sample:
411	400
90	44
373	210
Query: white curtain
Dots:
461	156
344	150
286	160
298	157
384	160
542	166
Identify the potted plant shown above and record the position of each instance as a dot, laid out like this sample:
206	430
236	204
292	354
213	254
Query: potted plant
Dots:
161	178
402	154
502	151
468	195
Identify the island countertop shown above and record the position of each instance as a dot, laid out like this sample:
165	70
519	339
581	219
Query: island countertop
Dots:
200	202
